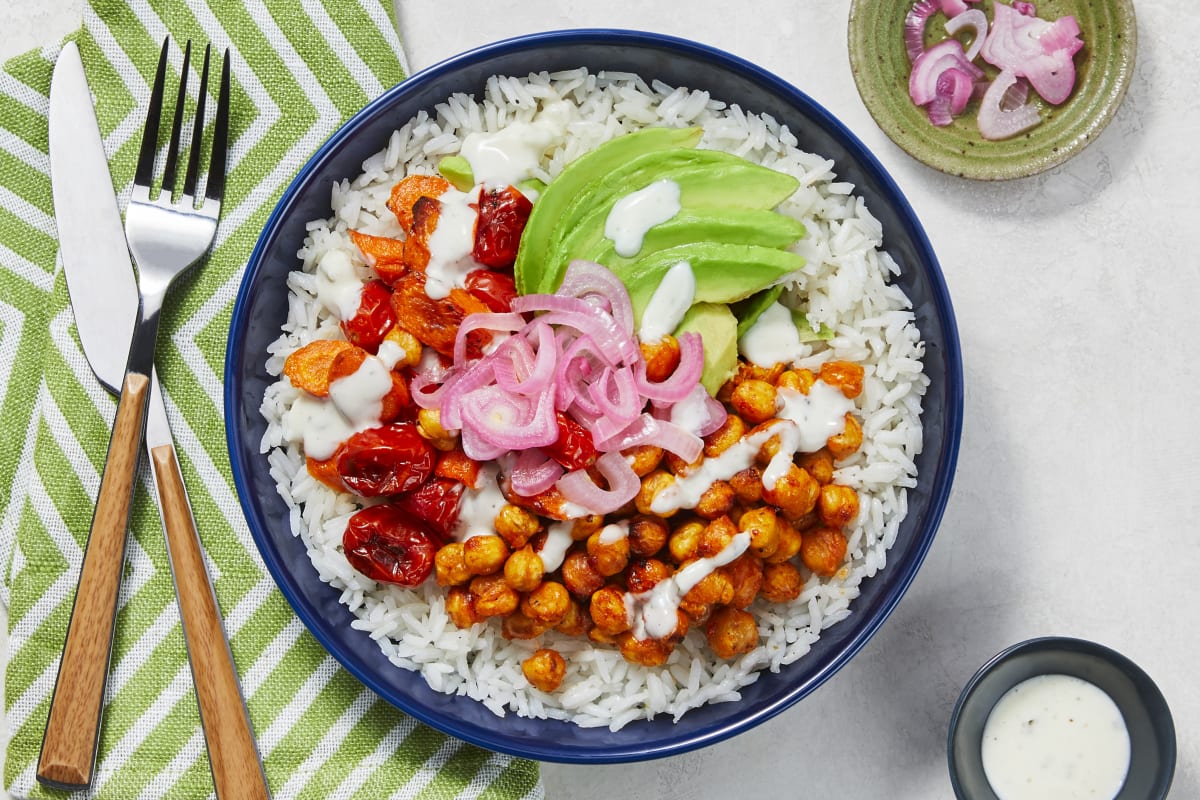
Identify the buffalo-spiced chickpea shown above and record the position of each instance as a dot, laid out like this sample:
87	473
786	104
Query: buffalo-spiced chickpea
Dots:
545	669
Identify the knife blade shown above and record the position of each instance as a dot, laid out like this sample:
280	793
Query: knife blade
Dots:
104	297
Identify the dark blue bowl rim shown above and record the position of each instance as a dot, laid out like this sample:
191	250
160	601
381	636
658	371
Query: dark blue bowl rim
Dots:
943	469
1062	644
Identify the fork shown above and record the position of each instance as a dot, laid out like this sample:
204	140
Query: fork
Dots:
165	237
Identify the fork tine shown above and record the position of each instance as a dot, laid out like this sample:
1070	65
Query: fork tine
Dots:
215	188
193	170
168	183
144	175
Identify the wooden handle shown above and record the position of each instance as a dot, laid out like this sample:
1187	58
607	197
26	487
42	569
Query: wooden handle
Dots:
72	730
237	772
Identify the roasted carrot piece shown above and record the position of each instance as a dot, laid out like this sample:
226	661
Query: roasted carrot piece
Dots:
309	367
346	363
383	253
435	322
426	213
326	471
396	403
408	191
457	465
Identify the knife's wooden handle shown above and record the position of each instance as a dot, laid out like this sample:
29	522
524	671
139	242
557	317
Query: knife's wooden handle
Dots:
69	748
236	768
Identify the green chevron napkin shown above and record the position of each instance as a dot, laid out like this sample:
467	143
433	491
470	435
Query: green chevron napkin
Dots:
300	68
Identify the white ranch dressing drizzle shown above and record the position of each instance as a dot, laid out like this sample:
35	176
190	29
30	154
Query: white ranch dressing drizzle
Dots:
513	153
451	243
638	212
653	614
669	303
613	533
691	412
802	428
1055	737
390	353
558	541
480	505
354	404
339	287
773	338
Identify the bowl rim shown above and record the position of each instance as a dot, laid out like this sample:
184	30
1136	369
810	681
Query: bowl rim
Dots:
1064	644
943	467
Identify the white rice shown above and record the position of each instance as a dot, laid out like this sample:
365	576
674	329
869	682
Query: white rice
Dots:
845	286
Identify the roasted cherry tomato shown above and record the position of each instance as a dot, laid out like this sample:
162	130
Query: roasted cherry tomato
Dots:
392	459
502	217
496	289
374	318
436	502
574	448
388	544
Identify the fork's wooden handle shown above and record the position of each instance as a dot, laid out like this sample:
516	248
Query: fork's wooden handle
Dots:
69	748
236	768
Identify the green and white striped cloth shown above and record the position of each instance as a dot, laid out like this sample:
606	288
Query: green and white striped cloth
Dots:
300	68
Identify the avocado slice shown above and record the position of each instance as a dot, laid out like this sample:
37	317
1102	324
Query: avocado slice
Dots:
725	273
718	329
749	310
457	170
528	269
727	225
707	179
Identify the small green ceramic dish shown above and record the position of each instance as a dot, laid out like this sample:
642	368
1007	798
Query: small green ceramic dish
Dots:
1103	69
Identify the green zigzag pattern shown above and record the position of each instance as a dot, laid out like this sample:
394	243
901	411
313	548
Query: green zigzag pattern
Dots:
57	422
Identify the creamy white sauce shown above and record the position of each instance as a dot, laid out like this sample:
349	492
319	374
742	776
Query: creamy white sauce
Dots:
613	533
554	549
339	287
354	404
513	153
451	243
638	212
818	415
480	505
691	412
1055	737
390	353
653	614
669	303
773	339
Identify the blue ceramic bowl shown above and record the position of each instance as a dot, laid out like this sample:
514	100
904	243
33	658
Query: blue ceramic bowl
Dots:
261	309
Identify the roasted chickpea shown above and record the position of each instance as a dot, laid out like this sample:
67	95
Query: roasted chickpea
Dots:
574	622
716	500
643	458
429	425
647	535
685	540
609	549
407	343
763	527
714	589
524	569
789	542
583	527
460	607
818	464
731	632
781	582
680	467
449	567
794	493
518	626
846	443
545	669
580	575
484	554
771	446
493	597
662	358
645	573
798	380
747	485
516	525
717	535
823	551
745	574
647	652
754	401
844	375
608	612
549	603
724	437
748	371
838	505
652	485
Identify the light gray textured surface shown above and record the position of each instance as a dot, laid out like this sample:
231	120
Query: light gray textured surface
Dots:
1075	507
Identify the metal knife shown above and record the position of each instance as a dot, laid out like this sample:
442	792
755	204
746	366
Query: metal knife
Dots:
104	298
